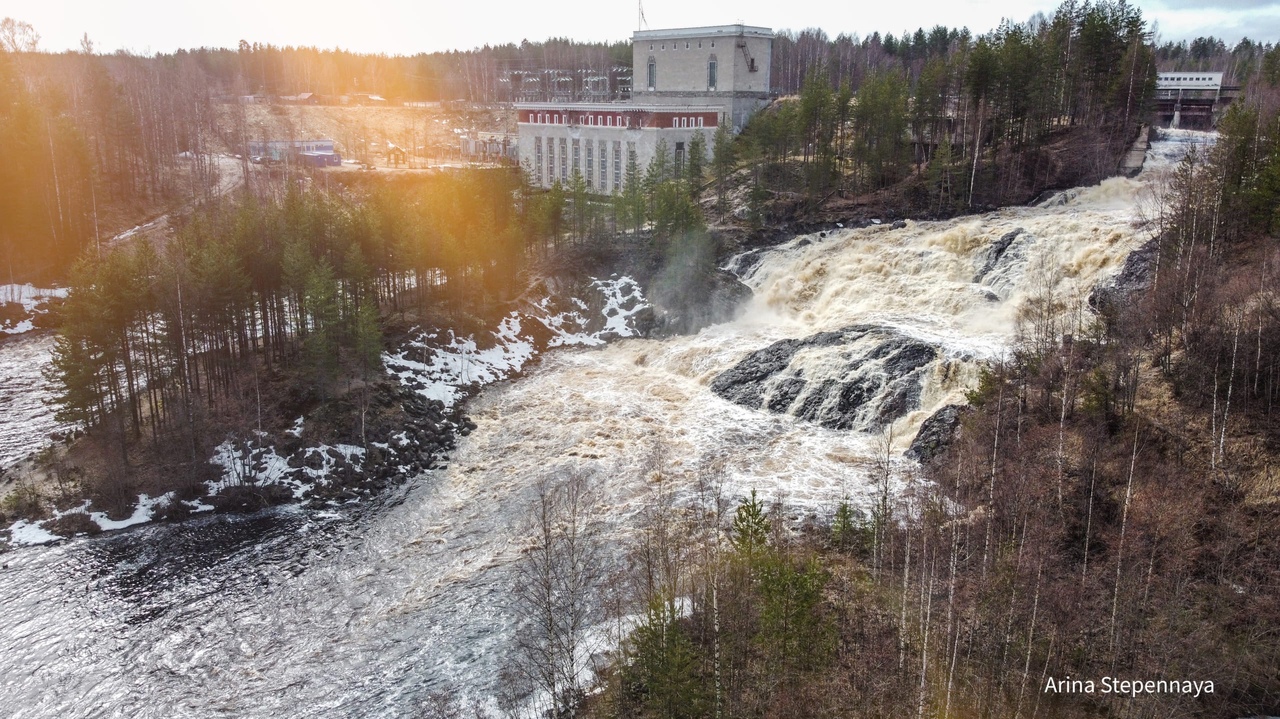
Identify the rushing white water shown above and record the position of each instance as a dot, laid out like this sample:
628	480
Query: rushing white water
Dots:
25	419
365	612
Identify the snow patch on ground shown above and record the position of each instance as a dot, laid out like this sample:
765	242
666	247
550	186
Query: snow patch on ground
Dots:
33	300
444	372
142	513
23	533
622	300
245	464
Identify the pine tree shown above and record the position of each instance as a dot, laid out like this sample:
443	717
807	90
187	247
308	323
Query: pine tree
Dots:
661	670
320	348
722	162
634	193
581	200
695	167
750	531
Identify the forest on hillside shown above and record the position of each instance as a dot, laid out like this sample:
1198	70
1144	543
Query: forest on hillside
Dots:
96	140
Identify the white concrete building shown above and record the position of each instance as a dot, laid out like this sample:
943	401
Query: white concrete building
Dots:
724	66
687	81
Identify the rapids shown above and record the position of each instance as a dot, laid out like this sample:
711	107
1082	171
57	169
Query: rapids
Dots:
25	419
367	610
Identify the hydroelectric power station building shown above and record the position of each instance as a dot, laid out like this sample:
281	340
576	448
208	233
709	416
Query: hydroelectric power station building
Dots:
686	80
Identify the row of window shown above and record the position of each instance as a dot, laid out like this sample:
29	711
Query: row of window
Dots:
609	120
550	118
676	45
551	171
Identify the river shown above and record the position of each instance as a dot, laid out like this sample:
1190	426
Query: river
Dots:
366	611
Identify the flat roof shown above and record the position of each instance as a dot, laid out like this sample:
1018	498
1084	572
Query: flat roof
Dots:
1188	80
1191	73
708	31
613	107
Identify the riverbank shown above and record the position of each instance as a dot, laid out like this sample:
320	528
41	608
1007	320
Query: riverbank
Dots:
368	436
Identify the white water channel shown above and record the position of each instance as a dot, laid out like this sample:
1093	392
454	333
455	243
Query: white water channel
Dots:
363	613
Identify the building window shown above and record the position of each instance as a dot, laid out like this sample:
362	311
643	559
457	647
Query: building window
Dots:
699	122
686	44
537	157
591	164
551	160
711	73
577	157
675	122
713	43
564	159
604	168
653	74
679	158
611	121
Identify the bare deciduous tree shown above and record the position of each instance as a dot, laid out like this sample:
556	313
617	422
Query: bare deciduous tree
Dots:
554	599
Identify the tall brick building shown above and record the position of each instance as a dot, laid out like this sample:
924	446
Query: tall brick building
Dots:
686	80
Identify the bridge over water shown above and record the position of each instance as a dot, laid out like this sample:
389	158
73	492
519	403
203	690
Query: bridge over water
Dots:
1192	100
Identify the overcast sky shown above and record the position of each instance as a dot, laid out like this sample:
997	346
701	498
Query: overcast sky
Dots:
412	26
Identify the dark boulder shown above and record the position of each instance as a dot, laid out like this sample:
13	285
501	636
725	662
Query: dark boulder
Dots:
855	378
1134	277
989	258
936	433
743	383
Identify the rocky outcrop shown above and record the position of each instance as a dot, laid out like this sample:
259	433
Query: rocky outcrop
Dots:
1135	276
936	433
859	377
988	259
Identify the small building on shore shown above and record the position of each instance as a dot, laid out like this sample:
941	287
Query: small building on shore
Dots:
313	153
